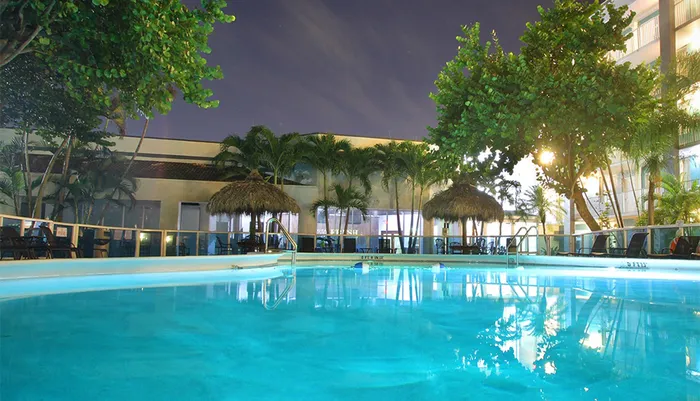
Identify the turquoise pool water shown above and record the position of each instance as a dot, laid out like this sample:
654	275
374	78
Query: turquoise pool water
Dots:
339	334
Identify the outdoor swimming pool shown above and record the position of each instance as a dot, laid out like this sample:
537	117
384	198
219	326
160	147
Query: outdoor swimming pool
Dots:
392	333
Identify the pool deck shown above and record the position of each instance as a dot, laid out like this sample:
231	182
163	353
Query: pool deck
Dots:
552	262
43	268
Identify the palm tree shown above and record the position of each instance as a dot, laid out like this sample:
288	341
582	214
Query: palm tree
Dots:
538	203
324	153
678	202
279	155
344	199
359	164
422	171
239	156
12	183
390	164
98	176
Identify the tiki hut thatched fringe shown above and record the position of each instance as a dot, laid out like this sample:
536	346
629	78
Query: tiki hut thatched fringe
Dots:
252	197
461	202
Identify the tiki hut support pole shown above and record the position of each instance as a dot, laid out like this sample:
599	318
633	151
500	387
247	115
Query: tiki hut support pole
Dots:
465	222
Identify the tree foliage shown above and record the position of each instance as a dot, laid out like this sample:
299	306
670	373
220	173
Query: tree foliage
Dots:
562	94
141	52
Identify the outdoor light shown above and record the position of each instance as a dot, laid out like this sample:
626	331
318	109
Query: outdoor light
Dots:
169	239
142	236
546	157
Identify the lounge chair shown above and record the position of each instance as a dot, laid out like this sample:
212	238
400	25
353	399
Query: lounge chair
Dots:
682	250
635	249
600	246
11	242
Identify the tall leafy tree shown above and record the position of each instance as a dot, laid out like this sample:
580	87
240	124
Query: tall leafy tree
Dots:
324	153
34	99
142	50
561	94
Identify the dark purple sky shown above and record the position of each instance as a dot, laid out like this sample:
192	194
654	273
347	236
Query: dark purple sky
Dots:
356	67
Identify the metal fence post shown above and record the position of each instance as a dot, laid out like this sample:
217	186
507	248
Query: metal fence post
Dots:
163	238
196	245
137	244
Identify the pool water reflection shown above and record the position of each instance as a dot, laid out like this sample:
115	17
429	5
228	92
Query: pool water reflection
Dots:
338	334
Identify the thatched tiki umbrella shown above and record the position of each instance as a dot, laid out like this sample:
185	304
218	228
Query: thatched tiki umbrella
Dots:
253	197
461	202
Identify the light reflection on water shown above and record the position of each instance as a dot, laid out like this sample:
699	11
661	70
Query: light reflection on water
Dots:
340	334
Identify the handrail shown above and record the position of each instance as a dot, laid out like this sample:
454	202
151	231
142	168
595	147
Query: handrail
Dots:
284	293
519	244
286	234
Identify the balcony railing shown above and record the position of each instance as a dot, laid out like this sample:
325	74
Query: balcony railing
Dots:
646	33
686	11
689	137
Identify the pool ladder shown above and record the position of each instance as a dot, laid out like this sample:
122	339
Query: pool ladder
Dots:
517	241
285	233
290	284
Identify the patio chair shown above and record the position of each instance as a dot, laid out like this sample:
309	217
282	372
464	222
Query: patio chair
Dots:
635	249
223	249
440	246
349	245
307	245
11	242
682	250
385	246
600	246
43	240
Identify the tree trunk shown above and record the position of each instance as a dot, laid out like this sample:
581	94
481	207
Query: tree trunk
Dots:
420	208
56	216
325	207
410	225
347	220
44	179
585	212
544	228
128	167
612	203
27	172
398	215
340	226
634	191
617	201
650	199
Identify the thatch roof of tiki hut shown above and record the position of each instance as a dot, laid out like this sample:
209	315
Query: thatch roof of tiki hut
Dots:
462	201
251	196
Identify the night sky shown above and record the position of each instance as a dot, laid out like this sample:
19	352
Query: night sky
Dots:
355	67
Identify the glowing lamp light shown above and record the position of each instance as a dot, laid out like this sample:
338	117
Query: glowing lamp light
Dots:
169	239
143	236
546	157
